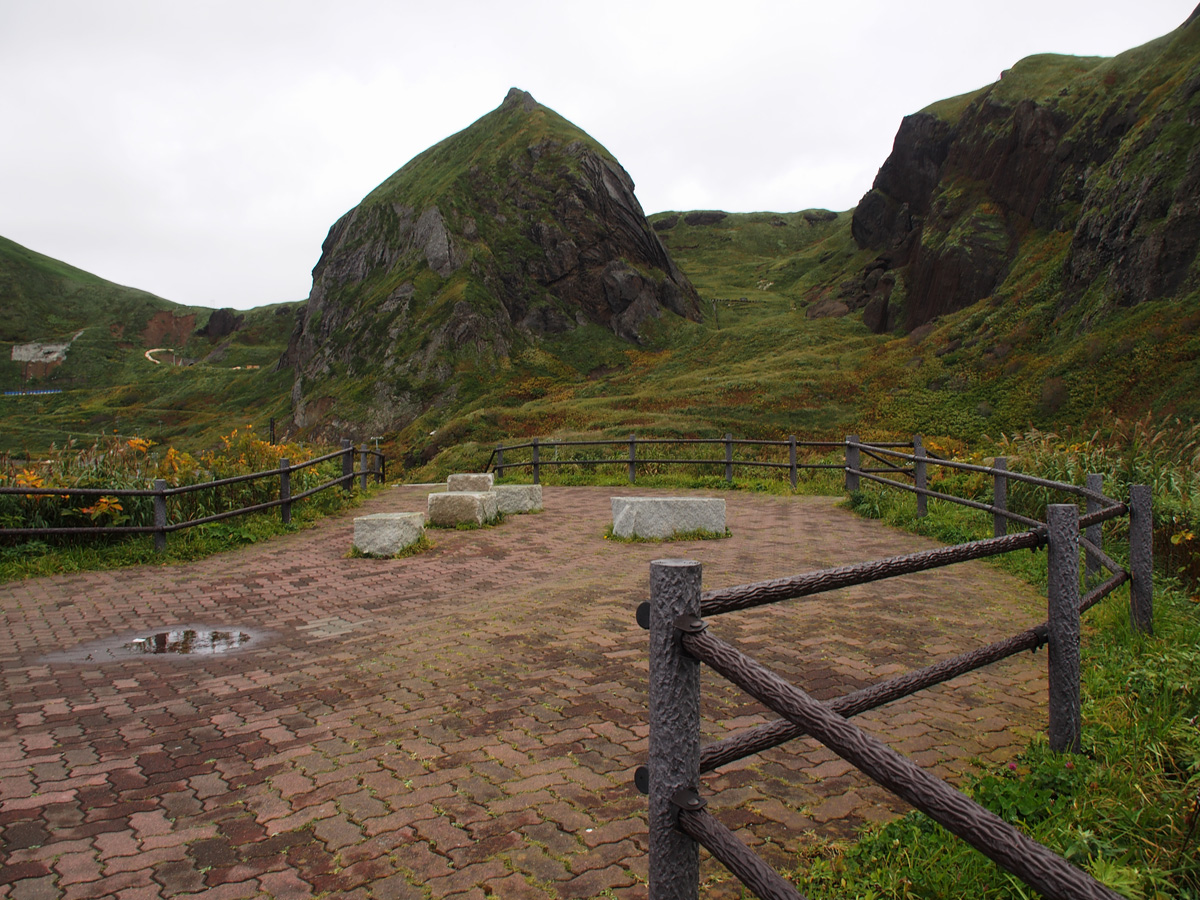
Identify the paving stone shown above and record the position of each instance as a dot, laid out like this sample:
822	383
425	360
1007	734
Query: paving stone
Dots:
487	697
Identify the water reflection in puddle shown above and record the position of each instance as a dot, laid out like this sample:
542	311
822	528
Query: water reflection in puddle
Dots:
193	640
189	640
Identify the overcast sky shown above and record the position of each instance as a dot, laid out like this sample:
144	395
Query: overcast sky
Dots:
202	150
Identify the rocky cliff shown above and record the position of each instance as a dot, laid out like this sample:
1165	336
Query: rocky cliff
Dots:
1102	153
517	227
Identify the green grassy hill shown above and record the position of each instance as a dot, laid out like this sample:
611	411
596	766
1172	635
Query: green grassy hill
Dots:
1026	257
107	385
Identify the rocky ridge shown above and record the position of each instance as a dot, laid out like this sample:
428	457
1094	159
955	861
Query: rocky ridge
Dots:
518	227
1102	152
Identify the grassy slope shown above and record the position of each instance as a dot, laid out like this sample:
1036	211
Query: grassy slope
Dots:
1027	356
1030	354
107	384
756	366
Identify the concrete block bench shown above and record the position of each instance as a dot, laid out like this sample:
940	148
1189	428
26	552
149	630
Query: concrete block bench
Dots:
518	498
470	481
665	517
386	534
453	508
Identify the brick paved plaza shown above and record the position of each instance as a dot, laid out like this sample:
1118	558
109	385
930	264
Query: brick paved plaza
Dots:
464	723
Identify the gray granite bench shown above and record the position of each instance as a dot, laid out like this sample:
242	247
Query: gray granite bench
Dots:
470	481
446	510
386	534
665	517
518	498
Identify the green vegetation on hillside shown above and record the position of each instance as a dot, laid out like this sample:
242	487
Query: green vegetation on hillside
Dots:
107	384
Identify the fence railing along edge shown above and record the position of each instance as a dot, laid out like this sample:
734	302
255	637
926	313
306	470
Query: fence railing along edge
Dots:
160	492
676	761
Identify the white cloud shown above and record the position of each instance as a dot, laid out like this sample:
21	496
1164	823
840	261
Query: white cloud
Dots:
202	151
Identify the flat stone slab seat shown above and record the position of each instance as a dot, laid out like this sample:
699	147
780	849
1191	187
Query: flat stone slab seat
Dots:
453	508
518	498
386	534
665	517
470	481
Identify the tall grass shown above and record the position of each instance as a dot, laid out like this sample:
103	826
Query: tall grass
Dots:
124	464
1126	809
1164	454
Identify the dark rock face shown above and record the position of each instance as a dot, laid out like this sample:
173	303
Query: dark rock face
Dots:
221	323
1111	157
891	211
818	216
704	217
516	228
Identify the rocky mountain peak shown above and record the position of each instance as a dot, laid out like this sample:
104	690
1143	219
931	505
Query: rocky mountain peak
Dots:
517	98
518	227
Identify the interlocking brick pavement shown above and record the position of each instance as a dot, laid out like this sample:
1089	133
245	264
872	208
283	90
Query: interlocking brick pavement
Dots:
463	723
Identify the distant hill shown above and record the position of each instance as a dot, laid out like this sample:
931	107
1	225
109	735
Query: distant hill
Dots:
66	329
519	227
1027	255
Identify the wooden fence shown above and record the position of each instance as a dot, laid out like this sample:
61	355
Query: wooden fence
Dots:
536	458
680	639
161	492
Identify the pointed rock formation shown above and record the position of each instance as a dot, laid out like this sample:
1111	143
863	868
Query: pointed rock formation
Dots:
519	226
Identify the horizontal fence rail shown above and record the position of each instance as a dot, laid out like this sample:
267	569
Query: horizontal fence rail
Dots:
372	464
680	641
536	460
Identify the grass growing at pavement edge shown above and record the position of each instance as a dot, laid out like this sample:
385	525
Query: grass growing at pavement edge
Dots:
1125	809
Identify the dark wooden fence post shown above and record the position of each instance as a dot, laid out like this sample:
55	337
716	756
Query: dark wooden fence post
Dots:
1063	643
792	459
347	465
499	460
632	458
362	466
674	758
160	515
537	465
1094	533
1000	496
1141	558
852	463
729	457
920	475
285	490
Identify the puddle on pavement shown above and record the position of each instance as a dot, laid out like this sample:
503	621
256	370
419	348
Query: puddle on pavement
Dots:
188	641
179	640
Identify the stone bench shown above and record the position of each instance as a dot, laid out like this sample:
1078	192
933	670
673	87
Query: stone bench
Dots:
518	498
386	534
452	508
470	481
665	517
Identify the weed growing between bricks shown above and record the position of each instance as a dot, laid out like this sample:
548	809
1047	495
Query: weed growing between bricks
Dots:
421	545
697	534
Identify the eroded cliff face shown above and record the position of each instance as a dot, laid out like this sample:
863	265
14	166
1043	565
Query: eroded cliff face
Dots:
518	227
1104	150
